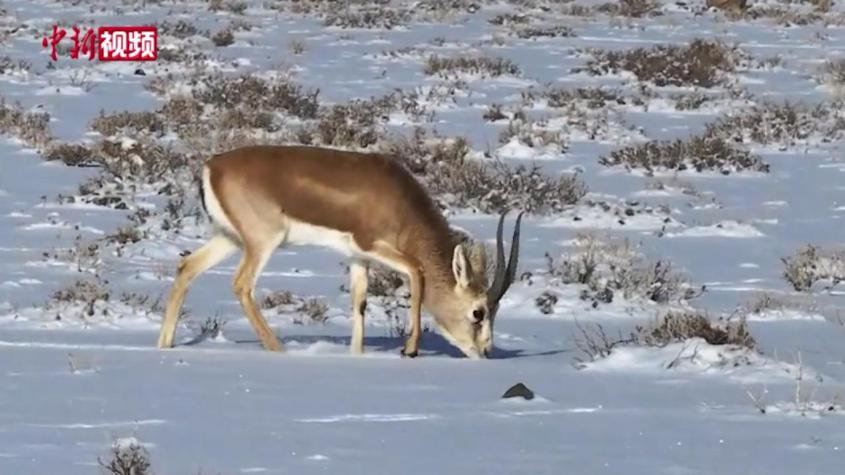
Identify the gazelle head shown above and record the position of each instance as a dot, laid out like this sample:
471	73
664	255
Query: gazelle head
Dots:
466	312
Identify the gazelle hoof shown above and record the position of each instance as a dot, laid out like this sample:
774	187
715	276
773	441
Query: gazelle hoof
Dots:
409	354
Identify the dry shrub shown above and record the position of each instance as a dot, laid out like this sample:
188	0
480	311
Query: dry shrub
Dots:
369	18
636	8
223	38
549	31
811	264
181	112
128	123
701	63
484	66
128	457
9	65
831	72
75	155
87	291
252	92
504	19
242	118
681	326
673	327
784	124
286	302
698	153
494	113
232	6
534	134
563	97
181	29
32	128
444	166
764	302
610	267
354	124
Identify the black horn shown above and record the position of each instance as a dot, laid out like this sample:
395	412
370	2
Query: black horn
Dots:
504	275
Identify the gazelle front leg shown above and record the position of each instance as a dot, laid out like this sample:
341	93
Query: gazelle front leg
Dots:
415	277
412	344
358	292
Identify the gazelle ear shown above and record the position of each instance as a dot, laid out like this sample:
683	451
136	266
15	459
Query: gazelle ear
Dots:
460	267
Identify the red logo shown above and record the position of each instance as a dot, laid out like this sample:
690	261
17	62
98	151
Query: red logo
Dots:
111	43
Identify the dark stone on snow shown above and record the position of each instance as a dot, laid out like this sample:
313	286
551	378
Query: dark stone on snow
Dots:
519	390
140	72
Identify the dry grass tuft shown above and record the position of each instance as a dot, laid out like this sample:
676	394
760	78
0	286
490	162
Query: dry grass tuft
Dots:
607	268
222	38
128	123
811	264
484	66
701	63
31	128
445	167
784	124
681	326
698	153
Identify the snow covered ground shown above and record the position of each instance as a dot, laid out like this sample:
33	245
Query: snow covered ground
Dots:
78	377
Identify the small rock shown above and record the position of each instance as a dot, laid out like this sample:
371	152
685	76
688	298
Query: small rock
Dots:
140	72
519	390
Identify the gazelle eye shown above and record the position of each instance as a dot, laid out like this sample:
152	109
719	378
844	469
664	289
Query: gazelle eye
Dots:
478	314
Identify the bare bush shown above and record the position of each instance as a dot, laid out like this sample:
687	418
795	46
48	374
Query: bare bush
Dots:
75	155
673	327
223	38
784	124
369	18
9	65
698	153
564	97
594	343
535	134
314	308
32	128
484	66
181	29
296	46
701	63
831	72
612	267
764	302
680	326
549	31
811	264
253	92
504	19
636	8
87	291
128	457
128	123
445	168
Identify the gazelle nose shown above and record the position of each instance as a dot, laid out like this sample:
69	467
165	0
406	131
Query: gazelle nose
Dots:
477	315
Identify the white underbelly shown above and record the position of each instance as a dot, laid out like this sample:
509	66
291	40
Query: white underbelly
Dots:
304	234
300	233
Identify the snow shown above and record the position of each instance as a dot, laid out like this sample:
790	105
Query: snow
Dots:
80	380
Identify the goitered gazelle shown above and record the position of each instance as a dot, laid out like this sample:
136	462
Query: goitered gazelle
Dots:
365	205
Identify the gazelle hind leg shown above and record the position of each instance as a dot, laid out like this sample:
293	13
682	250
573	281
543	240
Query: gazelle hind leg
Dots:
210	254
253	262
358	292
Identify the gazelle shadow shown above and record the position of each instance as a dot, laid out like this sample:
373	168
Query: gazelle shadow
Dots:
431	344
